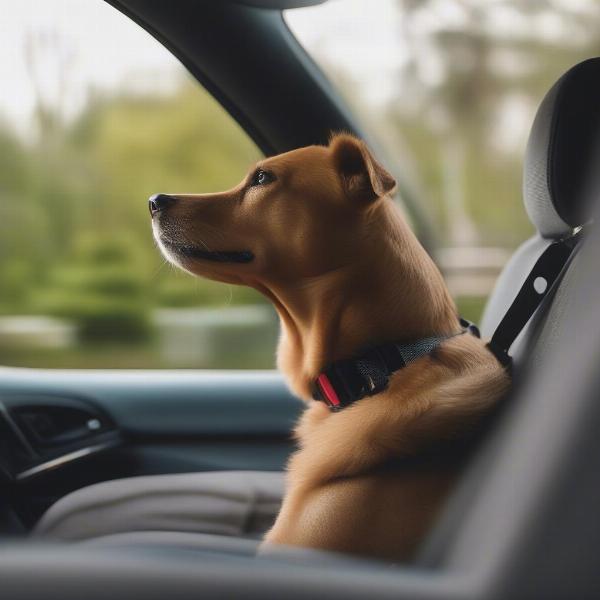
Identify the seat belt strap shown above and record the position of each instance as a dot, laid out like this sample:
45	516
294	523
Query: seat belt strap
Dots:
538	283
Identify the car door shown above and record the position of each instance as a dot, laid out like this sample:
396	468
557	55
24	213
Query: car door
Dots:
71	429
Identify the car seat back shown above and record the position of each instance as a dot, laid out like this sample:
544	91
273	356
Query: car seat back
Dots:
559	180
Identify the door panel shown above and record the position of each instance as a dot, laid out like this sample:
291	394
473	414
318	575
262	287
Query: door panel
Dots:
158	422
177	403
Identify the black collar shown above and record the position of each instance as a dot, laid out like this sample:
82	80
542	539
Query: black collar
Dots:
346	381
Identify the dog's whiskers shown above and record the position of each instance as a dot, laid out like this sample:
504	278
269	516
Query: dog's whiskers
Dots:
160	268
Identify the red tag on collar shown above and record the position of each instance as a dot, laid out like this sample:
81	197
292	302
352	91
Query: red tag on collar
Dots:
328	391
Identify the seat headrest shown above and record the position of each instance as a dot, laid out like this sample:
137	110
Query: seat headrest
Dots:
561	151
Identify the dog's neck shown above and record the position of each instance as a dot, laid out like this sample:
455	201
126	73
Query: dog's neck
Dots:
392	292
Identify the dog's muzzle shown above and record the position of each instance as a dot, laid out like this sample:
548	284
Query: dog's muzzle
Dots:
160	202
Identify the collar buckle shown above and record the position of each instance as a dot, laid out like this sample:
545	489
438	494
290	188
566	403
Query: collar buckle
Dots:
347	381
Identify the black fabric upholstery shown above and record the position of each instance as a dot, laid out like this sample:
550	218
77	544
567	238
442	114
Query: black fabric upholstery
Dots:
561	149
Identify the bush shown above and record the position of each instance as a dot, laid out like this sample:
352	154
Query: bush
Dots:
103	290
15	278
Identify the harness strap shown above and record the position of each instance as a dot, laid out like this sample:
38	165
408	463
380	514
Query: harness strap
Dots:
538	283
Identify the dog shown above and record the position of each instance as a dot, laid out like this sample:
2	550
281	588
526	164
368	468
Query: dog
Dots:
316	231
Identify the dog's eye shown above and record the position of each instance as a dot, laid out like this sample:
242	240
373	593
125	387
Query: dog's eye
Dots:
262	178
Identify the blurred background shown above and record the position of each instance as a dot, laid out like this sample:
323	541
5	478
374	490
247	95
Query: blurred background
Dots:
95	116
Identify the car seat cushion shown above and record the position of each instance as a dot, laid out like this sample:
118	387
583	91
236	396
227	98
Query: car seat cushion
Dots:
230	503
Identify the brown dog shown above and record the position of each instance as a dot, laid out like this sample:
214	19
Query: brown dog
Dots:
315	231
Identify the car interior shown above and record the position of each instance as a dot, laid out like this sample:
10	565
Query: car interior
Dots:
522	522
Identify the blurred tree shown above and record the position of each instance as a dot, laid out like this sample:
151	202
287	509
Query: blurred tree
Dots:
141	144
94	176
103	290
75	236
469	64
23	225
136	146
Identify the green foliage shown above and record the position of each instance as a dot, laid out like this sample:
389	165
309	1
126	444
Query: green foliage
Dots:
75	237
471	307
180	291
16	276
139	146
103	290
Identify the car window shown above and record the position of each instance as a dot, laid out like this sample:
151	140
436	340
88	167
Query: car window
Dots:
451	88
97	117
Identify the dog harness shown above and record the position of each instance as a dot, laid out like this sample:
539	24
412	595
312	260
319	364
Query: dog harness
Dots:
346	381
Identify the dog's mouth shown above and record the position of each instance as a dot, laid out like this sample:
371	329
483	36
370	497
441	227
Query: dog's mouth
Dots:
220	256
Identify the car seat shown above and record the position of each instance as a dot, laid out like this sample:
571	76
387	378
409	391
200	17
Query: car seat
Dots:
558	182
561	189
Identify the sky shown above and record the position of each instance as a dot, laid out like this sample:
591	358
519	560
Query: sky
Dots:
87	43
359	37
92	43
367	41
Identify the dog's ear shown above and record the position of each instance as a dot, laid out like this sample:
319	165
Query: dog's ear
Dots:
362	176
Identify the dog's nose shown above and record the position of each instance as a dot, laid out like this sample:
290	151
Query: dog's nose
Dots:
159	202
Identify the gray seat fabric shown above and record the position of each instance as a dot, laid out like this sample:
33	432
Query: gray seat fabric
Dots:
183	540
559	183
227	503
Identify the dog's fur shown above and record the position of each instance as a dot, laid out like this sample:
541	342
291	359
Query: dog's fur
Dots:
344	272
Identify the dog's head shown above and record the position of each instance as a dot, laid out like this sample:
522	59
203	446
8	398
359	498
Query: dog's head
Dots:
298	214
